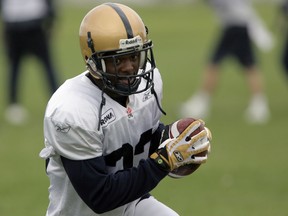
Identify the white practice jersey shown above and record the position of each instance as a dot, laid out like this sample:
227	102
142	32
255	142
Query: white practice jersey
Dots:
233	12
23	10
71	130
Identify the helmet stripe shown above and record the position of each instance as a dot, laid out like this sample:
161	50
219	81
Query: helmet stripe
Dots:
123	18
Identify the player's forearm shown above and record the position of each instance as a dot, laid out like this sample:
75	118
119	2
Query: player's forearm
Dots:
103	192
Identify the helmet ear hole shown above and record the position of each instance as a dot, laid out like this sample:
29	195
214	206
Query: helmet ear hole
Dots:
91	66
143	56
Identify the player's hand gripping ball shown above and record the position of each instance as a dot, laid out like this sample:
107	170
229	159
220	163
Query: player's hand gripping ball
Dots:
175	130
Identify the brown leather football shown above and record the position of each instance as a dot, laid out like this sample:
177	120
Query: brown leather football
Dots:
175	130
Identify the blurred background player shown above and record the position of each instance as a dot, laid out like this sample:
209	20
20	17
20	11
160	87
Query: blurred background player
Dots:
27	27
240	26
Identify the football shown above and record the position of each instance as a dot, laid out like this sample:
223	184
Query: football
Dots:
176	129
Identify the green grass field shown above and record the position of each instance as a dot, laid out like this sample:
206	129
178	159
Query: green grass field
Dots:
247	171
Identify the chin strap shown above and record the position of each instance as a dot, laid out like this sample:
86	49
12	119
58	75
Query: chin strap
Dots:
103	102
157	101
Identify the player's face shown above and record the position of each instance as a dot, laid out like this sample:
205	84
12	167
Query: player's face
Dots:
123	66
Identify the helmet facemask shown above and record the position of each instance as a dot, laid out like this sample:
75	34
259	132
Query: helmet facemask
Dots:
115	82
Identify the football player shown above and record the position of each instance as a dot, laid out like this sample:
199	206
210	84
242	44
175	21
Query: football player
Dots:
27	28
240	26
102	128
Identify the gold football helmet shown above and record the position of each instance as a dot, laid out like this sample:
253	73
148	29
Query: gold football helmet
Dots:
112	30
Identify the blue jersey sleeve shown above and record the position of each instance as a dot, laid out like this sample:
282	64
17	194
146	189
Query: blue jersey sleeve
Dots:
103	192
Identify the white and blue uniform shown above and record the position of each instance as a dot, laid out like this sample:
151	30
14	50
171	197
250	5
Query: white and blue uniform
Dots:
241	13
102	172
